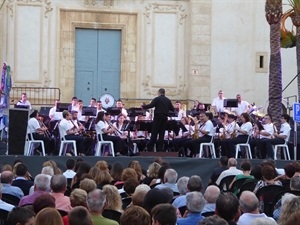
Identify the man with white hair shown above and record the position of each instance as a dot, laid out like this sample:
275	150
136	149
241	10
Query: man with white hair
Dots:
250	206
211	195
232	170
194	204
41	184
182	189
96	200
169	181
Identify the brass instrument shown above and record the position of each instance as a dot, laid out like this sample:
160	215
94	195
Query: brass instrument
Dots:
196	132
116	131
46	133
275	130
233	134
223	134
74	128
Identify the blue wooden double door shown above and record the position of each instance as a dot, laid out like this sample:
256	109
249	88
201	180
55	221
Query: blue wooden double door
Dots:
97	63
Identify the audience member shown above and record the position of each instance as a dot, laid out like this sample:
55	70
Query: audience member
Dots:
116	172
79	215
227	207
217	171
45	200
139	194
6	180
232	170
250	207
130	185
286	198
288	209
78	197
152	173
88	185
70	165
96	200
135	215
52	164
21	180
169	181
211	195
164	214
102	165
3	205
58	187
194	204
213	220
263	221
182	189
20	216
41	184
157	196
48	216
195	183
113	198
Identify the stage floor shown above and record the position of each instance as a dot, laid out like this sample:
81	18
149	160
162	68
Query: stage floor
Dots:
183	166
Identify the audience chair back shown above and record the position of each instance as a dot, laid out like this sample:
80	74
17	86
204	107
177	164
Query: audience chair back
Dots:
225	182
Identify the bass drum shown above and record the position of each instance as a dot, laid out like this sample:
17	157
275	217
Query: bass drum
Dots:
107	100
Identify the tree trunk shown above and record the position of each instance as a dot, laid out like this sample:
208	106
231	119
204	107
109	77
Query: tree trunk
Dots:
275	76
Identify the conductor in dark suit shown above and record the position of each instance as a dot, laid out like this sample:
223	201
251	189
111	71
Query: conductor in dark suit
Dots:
162	107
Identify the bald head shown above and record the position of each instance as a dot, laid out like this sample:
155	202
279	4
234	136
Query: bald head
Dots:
7	177
232	162
211	194
249	202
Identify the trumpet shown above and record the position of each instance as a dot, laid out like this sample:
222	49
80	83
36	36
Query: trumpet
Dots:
46	133
116	131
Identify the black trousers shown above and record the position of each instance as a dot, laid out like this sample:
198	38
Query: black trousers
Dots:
194	144
158	128
228	145
48	142
119	143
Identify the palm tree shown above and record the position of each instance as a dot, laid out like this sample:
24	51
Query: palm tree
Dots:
294	14
273	10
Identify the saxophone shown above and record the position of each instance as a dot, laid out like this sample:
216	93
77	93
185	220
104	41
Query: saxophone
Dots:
233	134
196	132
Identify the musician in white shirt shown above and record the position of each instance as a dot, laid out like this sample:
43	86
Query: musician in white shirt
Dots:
281	138
53	114
24	101
179	110
206	132
218	102
243	106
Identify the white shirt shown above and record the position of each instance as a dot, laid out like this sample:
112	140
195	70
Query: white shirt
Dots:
269	128
55	115
247	218
285	129
24	103
69	174
246	127
231	171
33	125
64	126
6	206
243	106
181	114
99	127
230	129
208	127
219	104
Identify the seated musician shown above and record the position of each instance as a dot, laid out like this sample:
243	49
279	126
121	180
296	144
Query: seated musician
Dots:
40	132
102	127
181	112
120	126
80	117
88	141
71	132
53	114
99	107
205	130
263	129
240	135
185	133
228	132
278	138
120	105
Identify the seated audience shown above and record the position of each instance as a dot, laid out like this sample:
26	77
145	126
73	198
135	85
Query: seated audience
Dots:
182	189
21	180
41	184
169	181
45	200
135	215
213	220
6	180
3	205
250	207
139	194
194	204
227	207
79	215
232	170
48	216
70	165
20	216
211	195
164	214
88	185
288	210
96	200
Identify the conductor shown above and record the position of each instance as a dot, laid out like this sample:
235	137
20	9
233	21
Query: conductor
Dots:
162	107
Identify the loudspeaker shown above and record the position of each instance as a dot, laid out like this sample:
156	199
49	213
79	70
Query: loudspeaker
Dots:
17	129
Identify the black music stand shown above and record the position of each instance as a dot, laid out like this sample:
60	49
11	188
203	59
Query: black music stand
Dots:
89	111
21	106
133	112
114	111
62	106
230	103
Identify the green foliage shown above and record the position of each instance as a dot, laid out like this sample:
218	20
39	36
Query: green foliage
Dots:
287	39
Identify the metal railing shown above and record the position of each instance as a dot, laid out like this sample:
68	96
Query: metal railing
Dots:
35	95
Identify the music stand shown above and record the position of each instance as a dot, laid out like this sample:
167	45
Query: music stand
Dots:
114	111
144	125
173	113
133	112
89	111
21	106
230	103
62	106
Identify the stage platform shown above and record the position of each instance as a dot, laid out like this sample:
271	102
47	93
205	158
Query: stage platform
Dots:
183	166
